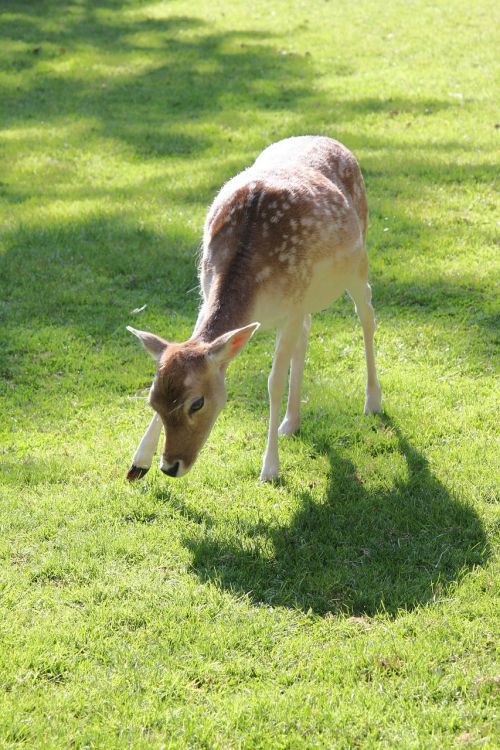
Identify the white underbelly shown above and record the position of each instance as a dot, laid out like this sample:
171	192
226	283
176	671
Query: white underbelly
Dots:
325	284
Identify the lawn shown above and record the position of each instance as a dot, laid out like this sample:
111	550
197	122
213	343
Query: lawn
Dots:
354	603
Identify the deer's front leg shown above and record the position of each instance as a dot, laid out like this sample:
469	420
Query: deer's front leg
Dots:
285	344
143	457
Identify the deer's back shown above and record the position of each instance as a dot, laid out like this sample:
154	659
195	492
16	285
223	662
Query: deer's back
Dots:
280	227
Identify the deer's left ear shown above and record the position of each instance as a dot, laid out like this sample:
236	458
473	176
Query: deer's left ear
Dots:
153	344
227	346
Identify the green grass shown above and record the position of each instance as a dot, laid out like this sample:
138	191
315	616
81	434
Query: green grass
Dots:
354	604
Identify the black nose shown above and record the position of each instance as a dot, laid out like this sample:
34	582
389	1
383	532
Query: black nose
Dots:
172	472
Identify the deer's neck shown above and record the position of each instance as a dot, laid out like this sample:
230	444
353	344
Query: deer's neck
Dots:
229	306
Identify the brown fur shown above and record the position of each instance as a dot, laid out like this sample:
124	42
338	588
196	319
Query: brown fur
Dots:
269	226
183	375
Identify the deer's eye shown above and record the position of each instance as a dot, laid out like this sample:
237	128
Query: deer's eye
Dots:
197	405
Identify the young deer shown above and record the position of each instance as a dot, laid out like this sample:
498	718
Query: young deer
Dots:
282	240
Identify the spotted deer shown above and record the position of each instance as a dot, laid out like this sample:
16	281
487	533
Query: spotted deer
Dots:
283	239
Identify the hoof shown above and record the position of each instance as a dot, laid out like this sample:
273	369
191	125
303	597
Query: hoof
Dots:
373	402
372	407
289	427
269	475
136	472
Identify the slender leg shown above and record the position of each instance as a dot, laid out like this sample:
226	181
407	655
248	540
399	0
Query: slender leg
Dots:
143	457
286	341
291	422
361	294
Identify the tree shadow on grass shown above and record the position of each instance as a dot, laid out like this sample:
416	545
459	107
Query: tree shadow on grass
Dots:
357	551
192	71
67	291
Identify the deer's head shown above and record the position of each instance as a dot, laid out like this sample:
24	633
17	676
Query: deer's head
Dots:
188	390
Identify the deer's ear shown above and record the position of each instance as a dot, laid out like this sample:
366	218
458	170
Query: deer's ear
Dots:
227	346
153	344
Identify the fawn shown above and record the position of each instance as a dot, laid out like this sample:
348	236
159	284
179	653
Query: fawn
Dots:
282	239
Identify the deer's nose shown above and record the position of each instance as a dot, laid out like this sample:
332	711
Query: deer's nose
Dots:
172	470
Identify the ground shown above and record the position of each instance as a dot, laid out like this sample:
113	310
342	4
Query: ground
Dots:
353	604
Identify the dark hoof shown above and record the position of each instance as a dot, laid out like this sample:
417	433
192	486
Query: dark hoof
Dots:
136	472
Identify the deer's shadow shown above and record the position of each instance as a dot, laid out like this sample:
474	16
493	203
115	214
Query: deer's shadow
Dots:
355	551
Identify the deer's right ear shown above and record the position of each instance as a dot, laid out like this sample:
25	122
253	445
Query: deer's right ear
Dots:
227	346
153	344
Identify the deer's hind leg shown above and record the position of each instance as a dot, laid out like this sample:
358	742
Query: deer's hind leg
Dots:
291	422
361	294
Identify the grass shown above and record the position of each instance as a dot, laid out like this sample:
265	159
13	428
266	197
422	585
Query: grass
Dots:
355	603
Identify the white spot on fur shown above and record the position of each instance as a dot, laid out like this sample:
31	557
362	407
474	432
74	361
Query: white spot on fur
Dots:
263	274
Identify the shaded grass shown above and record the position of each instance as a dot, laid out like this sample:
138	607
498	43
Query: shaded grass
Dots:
353	604
359	551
